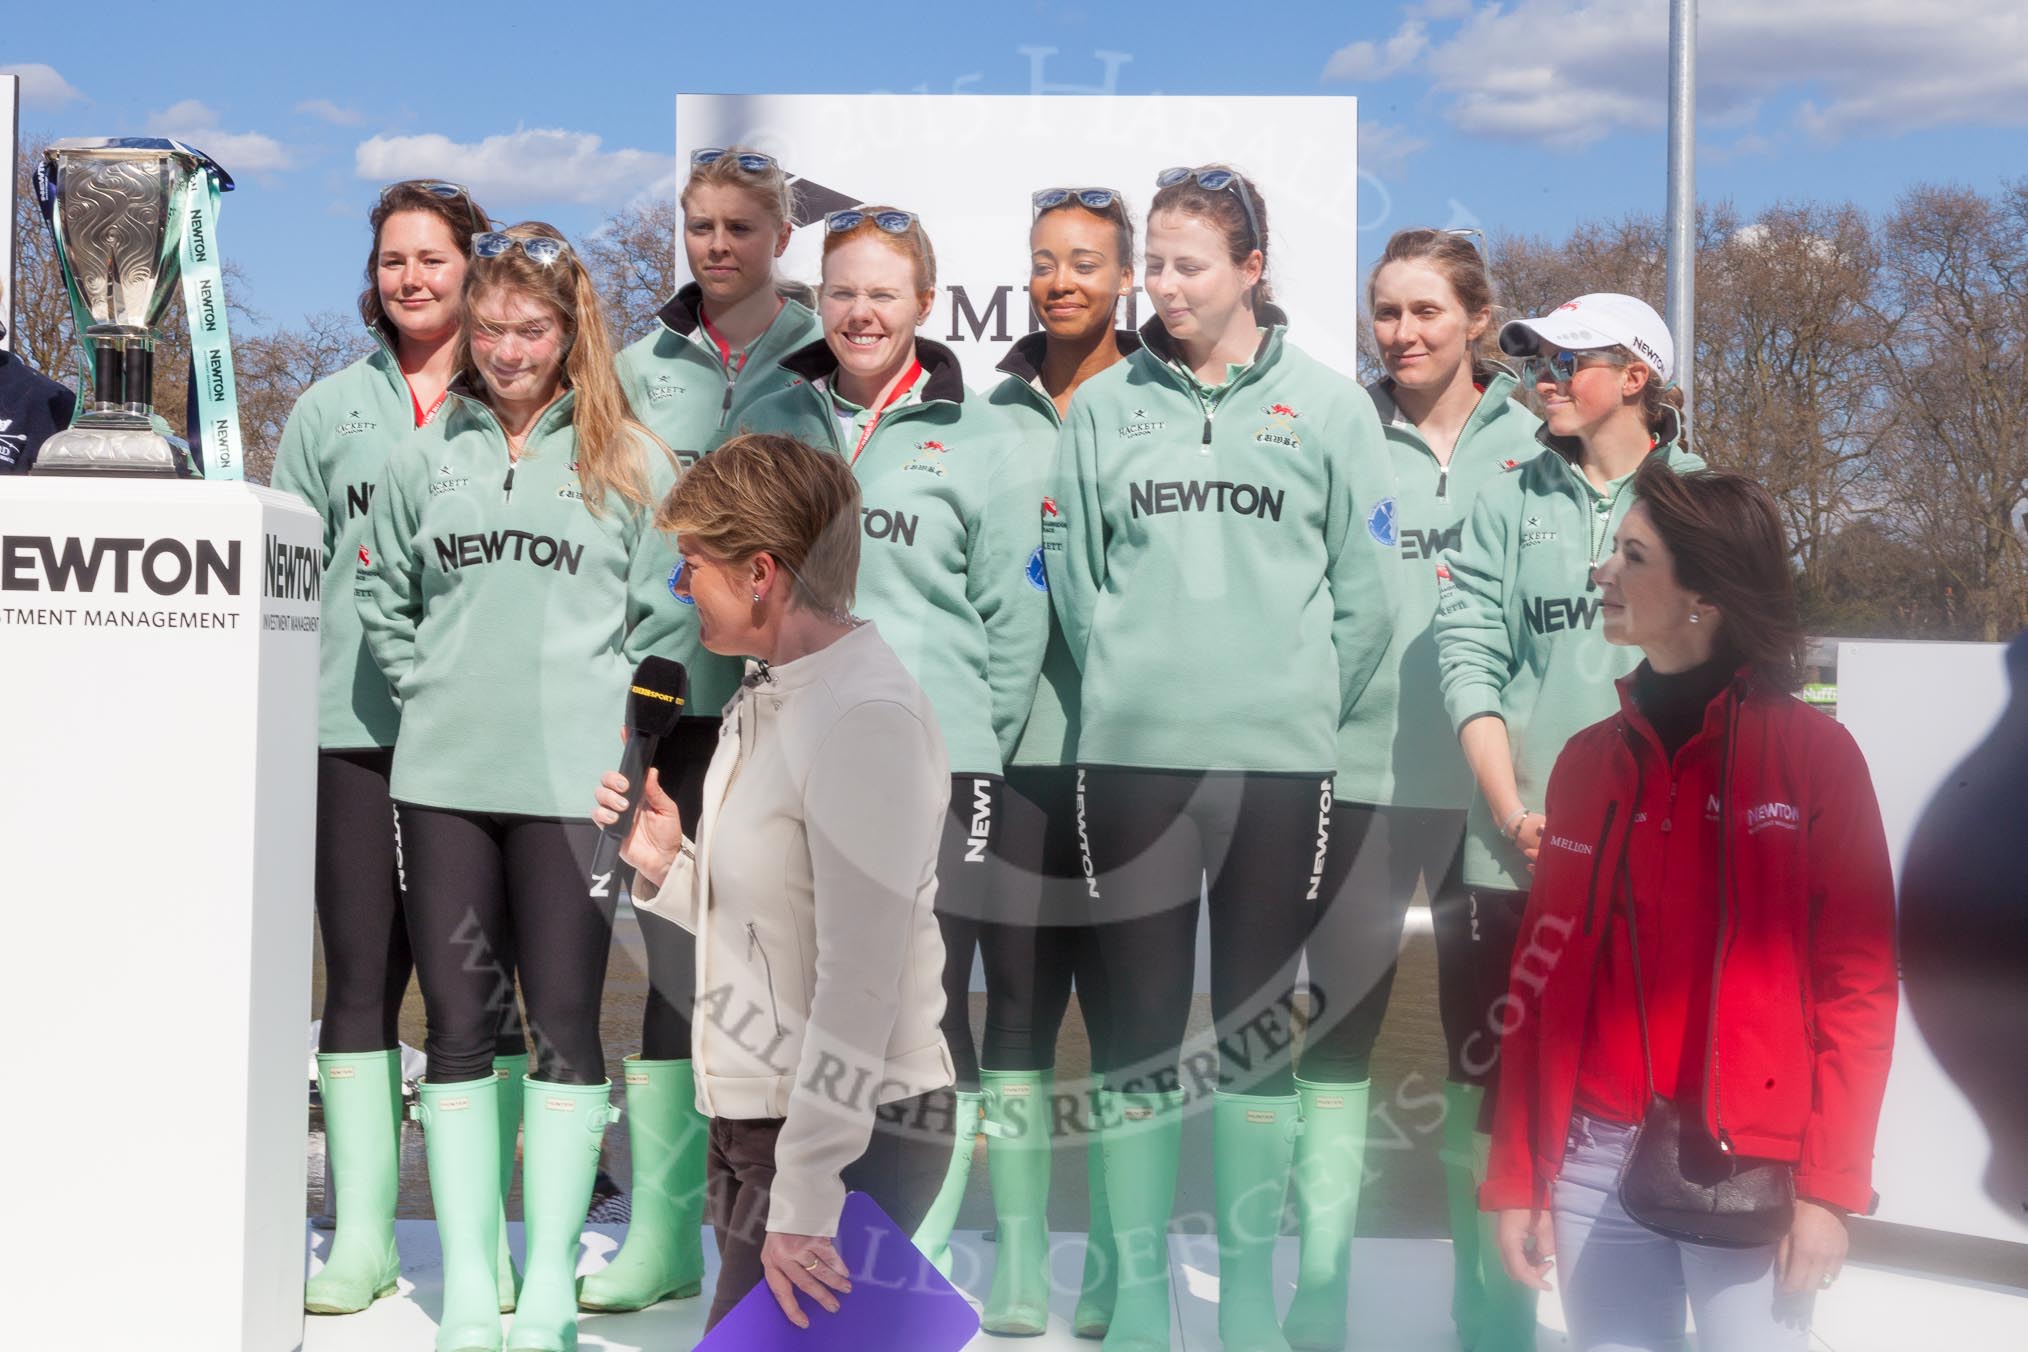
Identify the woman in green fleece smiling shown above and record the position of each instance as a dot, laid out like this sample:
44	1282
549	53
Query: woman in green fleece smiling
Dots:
1451	424
514	581
1523	662
1210	557
949	492
1081	263
332	454
716	351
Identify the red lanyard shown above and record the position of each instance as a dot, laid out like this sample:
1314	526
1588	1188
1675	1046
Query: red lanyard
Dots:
894	397
424	415
731	361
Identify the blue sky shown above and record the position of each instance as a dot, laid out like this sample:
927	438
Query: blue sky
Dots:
1528	115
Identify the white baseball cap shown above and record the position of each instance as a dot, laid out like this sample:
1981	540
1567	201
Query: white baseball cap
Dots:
1602	319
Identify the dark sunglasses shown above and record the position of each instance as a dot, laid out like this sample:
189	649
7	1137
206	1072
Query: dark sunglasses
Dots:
539	248
894	221
1215	178
750	160
1094	199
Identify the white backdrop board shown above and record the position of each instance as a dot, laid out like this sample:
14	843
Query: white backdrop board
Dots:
967	163
1930	1162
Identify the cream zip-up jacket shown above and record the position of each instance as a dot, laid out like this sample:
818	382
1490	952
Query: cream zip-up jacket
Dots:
809	885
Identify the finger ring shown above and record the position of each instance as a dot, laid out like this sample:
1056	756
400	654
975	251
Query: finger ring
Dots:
812	1267
1825	1285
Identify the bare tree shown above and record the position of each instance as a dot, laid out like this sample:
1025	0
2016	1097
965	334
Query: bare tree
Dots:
275	368
632	261
1953	320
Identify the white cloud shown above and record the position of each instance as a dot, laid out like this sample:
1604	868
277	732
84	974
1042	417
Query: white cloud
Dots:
1438	9
1378	60
1570	71
326	111
524	166
1385	148
240	152
41	86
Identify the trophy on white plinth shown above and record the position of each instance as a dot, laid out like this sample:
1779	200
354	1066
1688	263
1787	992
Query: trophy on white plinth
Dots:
121	211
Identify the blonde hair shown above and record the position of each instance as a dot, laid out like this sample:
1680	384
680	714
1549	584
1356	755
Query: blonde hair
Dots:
761	493
912	244
769	188
609	441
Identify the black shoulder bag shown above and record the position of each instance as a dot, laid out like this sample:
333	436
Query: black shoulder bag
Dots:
1676	1180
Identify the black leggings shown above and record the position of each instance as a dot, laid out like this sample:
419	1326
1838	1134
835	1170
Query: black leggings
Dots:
469	878
359	912
1493	928
672	950
1153	837
1041	938
966	875
1376	857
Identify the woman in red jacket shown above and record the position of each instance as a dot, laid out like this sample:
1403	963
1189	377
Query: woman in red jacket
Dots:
1733	830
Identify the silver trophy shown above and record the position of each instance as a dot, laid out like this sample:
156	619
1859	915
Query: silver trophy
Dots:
118	209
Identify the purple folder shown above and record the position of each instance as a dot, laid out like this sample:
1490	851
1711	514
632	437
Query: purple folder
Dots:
898	1300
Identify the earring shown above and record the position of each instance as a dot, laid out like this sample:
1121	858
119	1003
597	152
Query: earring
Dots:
756	598
1693	614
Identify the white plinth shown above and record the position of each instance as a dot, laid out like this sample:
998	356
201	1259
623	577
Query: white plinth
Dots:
158	641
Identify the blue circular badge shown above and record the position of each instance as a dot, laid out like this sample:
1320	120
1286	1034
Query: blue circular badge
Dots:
1380	523
1038	576
674	574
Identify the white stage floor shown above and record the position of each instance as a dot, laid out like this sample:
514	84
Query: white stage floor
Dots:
1400	1296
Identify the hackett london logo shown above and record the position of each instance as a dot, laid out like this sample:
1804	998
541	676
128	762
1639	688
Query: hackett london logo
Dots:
1142	425
662	388
356	424
447	482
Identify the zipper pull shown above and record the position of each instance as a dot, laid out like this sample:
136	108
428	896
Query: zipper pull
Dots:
1207	429
725	407
507	489
1443	480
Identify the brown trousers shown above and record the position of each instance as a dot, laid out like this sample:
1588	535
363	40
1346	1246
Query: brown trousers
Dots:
902	1169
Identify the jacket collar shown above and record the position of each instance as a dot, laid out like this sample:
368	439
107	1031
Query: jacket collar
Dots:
684	309
811	667
470	392
1024	360
1745	683
945	378
1495	399
1268	315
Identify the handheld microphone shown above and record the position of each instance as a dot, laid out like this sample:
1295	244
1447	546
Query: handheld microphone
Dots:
655	701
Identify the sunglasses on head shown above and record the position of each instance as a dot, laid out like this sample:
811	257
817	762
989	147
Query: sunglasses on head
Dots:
894	221
539	248
1476	236
1093	199
1561	366
449	192
750	160
1215	178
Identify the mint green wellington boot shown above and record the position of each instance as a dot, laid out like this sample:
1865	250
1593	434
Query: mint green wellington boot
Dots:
1509	1321
1253	1141
564	1125
1143	1135
933	1236
461	1136
509	1071
1468	1294
1094	1313
663	1256
362	1151
1018	1157
1330	1165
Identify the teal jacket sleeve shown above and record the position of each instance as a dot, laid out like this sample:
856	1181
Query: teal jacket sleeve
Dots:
1475	650
1073	531
298	470
1362	566
390	589
1002	550
653	614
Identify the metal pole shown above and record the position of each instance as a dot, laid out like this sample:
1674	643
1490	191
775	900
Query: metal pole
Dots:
1682	214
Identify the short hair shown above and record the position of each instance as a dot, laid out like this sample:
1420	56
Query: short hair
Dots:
1724	533
1223	211
762	493
462	216
912	243
769	188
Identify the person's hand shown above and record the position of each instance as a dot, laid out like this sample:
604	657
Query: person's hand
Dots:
652	846
1528	837
807	1263
1813	1250
1527	1244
